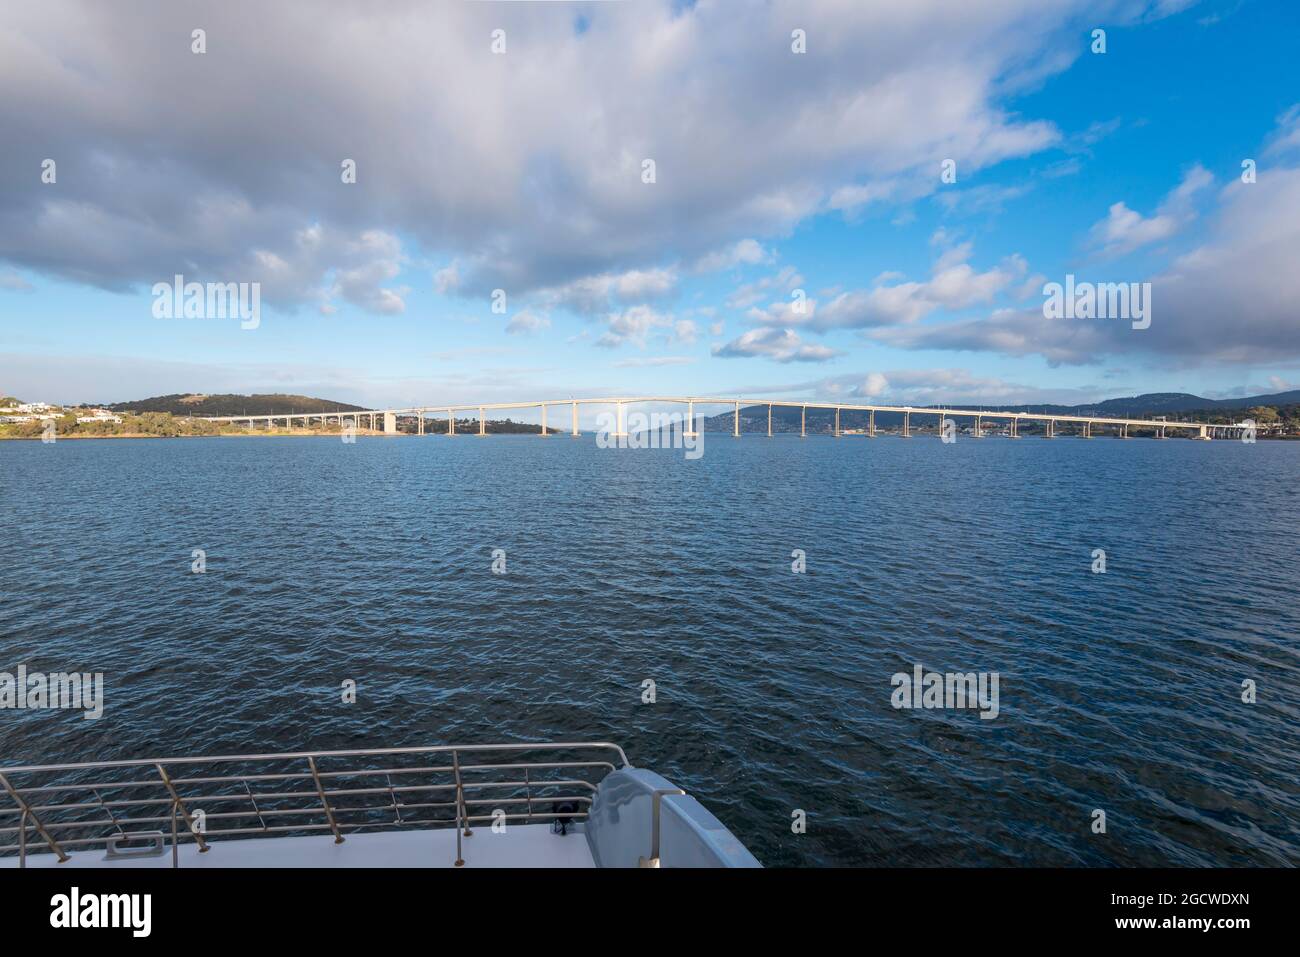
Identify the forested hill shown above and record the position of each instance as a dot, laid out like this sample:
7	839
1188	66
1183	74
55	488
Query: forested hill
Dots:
203	405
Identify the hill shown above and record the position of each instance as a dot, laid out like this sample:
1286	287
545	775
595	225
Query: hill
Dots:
259	404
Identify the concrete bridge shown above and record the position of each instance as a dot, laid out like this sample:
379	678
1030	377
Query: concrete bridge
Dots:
387	418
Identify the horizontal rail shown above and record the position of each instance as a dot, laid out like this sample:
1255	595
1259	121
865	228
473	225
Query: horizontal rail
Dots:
303	755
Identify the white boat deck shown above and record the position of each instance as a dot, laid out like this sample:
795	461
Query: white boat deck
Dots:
520	845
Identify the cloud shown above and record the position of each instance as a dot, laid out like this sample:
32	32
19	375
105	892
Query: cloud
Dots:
782	345
953	284
1286	138
1231	299
525	323
1124	230
591	295
523	169
635	326
786	279
13	282
747	252
653	361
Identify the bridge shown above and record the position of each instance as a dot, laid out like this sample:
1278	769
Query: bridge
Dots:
1119	426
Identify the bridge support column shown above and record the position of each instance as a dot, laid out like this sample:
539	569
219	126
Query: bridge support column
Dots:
390	423
482	422
871	424
907	425
979	429
420	422
1123	430
1050	431
544	432
1087	430
837	422
1204	435
575	420
689	432
735	428
769	420
803	423
1015	428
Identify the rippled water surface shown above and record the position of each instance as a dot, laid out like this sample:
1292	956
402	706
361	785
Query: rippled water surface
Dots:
1119	691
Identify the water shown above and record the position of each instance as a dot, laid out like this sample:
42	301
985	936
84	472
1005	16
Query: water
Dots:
325	561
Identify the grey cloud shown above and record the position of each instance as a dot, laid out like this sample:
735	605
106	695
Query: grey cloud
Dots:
524	168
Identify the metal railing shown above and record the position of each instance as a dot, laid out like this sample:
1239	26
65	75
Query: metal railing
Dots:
62	807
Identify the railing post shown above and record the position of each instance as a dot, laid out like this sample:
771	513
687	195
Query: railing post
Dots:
176	849
460	792
22	839
36	821
329	813
203	845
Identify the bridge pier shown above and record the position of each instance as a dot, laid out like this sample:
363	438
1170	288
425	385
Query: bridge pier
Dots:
1015	427
907	425
1087	430
482	422
735	429
979	429
769	420
871	424
689	432
803	423
1050	431
1204	435
390	423
544	432
837	421
575	420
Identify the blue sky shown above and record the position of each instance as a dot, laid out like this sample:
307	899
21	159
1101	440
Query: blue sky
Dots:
775	171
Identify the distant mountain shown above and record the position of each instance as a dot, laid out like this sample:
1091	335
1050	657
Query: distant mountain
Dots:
753	418
203	405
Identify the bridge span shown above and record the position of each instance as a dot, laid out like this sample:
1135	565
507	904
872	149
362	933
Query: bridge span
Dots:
387	418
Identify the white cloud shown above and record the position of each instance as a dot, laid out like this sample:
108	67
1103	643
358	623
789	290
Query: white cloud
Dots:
747	252
953	284
1124	230
525	323
782	345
